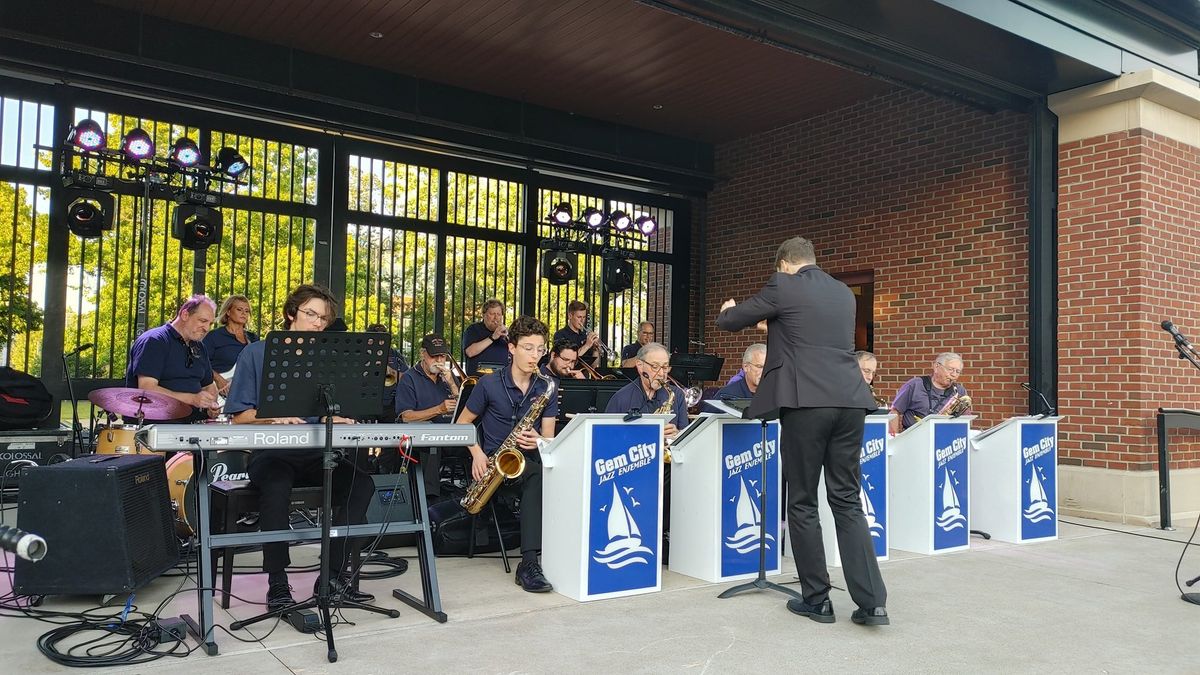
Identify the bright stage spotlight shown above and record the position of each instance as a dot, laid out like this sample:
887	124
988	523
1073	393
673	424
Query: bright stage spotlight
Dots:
562	215
620	220
646	225
594	218
87	135
231	163
184	152
137	145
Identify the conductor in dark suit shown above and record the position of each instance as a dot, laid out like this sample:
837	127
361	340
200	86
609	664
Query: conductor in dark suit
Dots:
812	383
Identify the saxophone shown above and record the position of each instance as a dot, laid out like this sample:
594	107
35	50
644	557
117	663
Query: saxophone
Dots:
957	405
880	402
509	460
663	409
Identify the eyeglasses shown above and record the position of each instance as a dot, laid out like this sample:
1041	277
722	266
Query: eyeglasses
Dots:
952	371
756	366
540	350
657	367
867	371
313	316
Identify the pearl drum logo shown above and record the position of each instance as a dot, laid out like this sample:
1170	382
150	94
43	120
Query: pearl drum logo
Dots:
626	481
742	488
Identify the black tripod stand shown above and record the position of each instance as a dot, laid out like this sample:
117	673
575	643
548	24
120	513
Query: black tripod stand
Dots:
761	582
1186	351
301	374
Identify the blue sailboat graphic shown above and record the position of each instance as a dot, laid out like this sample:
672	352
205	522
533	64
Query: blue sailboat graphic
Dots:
749	523
1039	507
952	517
874	525
624	538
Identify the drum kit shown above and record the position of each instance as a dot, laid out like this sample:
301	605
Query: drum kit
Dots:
112	438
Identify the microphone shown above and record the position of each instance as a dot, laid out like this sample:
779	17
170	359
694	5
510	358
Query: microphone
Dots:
28	546
1191	583
80	349
1179	338
1049	408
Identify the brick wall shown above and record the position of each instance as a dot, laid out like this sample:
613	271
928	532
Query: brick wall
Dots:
928	193
1129	251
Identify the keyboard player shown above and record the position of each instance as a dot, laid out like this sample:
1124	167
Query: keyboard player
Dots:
274	471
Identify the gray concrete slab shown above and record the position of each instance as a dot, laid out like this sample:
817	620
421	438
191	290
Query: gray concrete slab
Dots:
1100	599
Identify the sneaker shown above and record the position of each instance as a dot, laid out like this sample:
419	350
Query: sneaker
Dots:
338	588
874	616
822	613
279	596
529	576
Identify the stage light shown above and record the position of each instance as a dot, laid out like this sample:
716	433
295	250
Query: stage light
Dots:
89	213
559	267
562	214
137	145
185	152
594	218
646	225
618	275
195	226
620	220
231	163
87	135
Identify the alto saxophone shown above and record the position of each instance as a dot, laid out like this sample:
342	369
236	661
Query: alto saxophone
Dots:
509	460
663	409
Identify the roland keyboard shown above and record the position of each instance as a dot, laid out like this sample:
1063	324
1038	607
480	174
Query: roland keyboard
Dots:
166	437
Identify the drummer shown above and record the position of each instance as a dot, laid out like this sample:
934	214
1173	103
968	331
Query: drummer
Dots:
171	360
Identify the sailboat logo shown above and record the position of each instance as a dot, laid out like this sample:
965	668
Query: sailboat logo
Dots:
624	538
874	525
952	517
749	523
1039	508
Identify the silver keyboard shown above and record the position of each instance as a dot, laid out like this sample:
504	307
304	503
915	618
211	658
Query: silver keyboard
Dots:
166	437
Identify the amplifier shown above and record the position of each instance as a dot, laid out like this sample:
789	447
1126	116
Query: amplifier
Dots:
31	447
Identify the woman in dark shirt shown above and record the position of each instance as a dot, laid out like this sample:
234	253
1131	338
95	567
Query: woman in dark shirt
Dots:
227	341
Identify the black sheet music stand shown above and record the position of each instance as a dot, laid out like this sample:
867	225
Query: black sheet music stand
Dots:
323	374
692	368
760	582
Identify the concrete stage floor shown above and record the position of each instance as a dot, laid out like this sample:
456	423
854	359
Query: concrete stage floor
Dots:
1097	600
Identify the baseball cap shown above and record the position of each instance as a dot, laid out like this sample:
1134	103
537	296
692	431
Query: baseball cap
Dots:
434	344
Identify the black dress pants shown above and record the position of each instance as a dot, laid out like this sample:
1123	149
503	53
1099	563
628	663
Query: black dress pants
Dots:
529	488
829	439
274	473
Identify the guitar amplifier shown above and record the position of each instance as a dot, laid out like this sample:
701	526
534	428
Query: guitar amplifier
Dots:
31	447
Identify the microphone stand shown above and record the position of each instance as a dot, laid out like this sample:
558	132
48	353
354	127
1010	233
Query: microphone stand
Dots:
76	427
1185	353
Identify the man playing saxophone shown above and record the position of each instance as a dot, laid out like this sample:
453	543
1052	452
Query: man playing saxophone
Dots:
928	394
649	392
500	401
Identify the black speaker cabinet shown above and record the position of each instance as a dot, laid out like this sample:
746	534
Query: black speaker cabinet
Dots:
393	502
107	521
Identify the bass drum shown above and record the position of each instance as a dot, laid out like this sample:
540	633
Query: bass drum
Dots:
224	465
119	439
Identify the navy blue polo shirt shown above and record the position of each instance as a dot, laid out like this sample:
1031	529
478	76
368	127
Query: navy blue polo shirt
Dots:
499	404
632	397
243	392
578	338
630	351
161	353
496	352
735	389
223	348
416	391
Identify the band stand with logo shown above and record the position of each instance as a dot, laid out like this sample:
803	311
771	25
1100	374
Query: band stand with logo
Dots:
930	477
715	490
1019	500
874	492
604	474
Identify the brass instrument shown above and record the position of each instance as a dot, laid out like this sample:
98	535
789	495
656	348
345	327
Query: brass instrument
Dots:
957	405
508	461
392	377
664	409
464	379
880	401
593	374
691	395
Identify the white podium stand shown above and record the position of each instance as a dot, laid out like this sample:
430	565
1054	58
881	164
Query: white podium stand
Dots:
1016	498
930	486
873	459
715	485
602	506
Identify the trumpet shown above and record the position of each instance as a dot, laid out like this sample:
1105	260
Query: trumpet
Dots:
391	378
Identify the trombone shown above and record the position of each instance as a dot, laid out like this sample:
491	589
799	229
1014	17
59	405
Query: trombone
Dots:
691	395
463	379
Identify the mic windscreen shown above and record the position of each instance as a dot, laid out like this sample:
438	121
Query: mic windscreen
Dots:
1167	326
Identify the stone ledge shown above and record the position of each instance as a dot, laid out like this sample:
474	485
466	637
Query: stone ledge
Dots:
1150	99
1125	496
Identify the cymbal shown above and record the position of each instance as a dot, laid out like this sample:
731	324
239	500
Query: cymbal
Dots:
128	402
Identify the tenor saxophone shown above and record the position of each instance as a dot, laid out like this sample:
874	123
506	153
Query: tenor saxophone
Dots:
509	460
663	409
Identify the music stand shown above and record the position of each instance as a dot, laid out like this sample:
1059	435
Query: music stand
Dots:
323	374
760	582
689	368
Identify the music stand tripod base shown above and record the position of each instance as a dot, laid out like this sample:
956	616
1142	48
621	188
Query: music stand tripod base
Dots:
761	583
1193	598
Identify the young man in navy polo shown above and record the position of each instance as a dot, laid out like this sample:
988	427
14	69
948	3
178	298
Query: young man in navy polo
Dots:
171	359
500	400
575	331
427	392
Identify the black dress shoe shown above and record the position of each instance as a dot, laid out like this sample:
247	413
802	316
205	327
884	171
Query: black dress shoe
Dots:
822	613
529	576
279	596
338	588
875	616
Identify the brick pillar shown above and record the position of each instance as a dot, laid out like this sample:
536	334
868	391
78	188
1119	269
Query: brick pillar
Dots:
1129	256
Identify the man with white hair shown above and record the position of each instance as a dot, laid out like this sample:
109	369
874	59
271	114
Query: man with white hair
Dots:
753	360
927	394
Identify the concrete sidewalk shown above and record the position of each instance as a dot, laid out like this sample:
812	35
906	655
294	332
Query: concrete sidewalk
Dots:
1097	600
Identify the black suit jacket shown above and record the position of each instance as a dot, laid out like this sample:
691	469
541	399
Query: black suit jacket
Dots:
810	343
